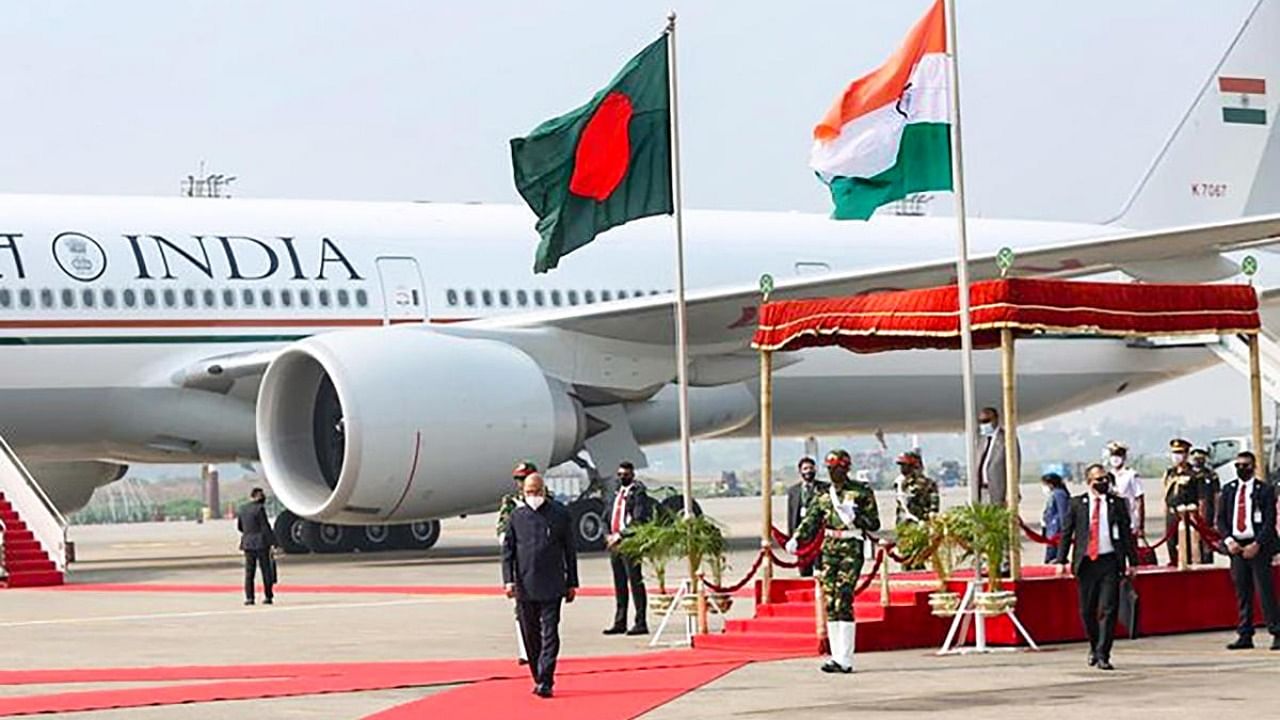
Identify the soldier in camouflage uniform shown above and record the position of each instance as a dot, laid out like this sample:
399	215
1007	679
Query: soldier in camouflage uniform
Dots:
917	496
1210	489
844	513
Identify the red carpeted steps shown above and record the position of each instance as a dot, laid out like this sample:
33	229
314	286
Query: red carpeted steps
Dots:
25	561
787	624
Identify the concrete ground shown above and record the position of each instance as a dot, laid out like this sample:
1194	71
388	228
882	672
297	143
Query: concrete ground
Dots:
58	629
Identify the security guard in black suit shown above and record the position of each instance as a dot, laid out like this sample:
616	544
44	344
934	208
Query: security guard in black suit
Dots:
1247	522
256	541
799	497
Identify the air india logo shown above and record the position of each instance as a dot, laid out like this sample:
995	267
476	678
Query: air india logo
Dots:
79	256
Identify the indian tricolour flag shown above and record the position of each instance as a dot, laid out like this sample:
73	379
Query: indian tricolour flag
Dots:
888	134
1244	100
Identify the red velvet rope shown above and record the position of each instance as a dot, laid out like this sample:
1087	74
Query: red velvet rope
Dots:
871	576
808	552
740	584
1168	535
1036	537
1207	532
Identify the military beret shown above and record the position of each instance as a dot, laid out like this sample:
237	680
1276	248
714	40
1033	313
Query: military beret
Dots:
909	458
839	458
524	470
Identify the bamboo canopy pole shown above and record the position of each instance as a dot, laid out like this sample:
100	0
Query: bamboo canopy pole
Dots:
1255	403
766	467
1013	494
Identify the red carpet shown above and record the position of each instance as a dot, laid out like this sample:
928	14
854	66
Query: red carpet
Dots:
597	696
631	683
284	589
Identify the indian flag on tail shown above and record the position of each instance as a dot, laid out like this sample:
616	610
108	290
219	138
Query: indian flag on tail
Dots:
888	135
1244	100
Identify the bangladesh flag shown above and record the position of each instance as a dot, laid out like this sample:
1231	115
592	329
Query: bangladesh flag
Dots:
603	164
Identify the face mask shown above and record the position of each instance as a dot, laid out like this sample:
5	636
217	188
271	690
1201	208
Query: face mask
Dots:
987	428
1179	458
1244	472
535	501
808	475
625	480
1100	486
1197	461
1117	461
1046	490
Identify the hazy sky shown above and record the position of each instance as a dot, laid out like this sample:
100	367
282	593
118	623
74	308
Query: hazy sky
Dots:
1064	104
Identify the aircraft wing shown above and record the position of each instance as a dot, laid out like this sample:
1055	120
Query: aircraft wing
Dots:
723	320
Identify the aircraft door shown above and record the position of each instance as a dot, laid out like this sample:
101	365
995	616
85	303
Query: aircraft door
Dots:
402	298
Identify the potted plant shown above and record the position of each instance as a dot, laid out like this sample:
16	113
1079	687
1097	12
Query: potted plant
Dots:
653	544
987	531
703	542
669	537
934	541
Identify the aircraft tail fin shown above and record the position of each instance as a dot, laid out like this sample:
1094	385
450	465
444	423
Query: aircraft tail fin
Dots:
1223	159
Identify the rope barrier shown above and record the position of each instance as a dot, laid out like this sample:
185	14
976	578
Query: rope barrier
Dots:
1036	537
1207	532
740	584
809	551
871	576
1168	535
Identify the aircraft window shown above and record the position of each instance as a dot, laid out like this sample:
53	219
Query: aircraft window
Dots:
504	298
637	293
487	297
539	298
170	297
268	297
189	297
24	298
6	297
555	298
130	297
209	298
46	298
68	298
451	297
247	297
86	298
622	294
323	297
605	296
286	298
573	297
229	298
362	297
344	298
304	298
522	298
655	292
589	296
470	297
109	297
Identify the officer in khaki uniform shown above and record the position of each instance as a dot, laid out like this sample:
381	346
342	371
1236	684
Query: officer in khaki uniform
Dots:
1209	489
1181	487
917	495
846	510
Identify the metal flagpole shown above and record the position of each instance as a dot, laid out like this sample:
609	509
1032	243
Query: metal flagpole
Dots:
962	263
682	327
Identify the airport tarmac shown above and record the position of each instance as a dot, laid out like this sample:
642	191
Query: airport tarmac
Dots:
150	624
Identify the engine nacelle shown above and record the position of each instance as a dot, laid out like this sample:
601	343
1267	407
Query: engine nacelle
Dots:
400	424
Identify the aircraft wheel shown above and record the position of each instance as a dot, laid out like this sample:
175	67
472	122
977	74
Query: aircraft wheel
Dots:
588	521
327	537
421	535
288	531
373	538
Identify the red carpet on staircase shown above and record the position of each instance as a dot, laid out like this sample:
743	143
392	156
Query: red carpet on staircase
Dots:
25	561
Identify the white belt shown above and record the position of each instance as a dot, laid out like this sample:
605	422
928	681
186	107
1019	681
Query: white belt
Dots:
842	534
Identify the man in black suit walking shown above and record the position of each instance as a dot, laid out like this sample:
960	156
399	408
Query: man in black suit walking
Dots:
256	541
799	497
630	506
1247	522
1098	525
539	569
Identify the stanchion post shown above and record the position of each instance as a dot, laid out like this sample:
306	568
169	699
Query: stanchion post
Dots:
884	574
702	605
1255	404
1184	539
1013	487
819	609
766	468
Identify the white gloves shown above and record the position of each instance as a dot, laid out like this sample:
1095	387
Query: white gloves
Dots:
792	546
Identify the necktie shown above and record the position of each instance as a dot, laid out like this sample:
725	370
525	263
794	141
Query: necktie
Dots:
1241	516
1093	528
619	505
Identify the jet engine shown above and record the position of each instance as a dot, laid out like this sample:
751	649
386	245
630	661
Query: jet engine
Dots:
399	424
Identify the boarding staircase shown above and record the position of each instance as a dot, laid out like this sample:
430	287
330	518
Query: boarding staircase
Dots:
1234	351
33	551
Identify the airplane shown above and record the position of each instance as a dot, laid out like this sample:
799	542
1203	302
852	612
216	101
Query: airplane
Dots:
388	363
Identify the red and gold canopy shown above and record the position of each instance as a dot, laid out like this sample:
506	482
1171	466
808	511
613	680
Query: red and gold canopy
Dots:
930	318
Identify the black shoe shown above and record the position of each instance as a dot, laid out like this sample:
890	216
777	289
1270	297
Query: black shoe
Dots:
1105	665
524	662
269	601
1275	642
830	666
1093	660
615	630
248	602
639	630
1243	643
542	691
